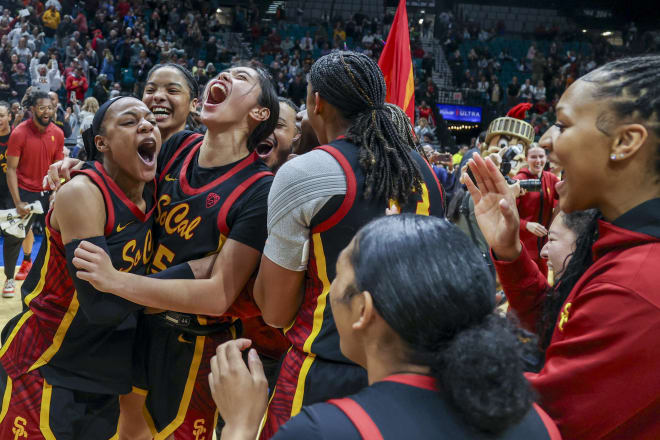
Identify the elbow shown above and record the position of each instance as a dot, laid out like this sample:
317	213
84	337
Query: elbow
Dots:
277	320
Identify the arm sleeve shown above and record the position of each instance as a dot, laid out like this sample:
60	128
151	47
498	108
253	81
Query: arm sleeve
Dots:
99	307
181	271
15	143
300	189
524	285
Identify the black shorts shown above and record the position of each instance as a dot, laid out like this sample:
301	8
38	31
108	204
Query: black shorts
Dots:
171	370
34	409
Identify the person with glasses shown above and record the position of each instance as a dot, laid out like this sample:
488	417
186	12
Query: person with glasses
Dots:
33	145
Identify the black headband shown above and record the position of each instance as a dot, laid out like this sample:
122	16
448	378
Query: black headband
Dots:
89	134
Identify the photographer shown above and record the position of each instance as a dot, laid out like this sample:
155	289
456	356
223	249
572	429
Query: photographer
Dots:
535	208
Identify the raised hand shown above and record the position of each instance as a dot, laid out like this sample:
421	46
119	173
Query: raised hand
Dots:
494	208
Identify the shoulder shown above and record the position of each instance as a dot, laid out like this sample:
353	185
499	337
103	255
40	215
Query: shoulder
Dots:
320	421
307	166
80	190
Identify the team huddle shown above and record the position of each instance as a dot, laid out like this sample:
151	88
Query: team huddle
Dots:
168	252
153	197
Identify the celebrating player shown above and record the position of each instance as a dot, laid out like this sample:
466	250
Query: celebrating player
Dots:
68	355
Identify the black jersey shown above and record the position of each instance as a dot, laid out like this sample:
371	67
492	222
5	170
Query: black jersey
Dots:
4	188
314	332
200	208
56	332
403	406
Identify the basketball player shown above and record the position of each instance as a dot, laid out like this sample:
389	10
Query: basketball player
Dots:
68	355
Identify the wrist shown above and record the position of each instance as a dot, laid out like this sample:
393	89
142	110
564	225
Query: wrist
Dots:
508	253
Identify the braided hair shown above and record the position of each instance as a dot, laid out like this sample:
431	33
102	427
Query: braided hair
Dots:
354	84
633	86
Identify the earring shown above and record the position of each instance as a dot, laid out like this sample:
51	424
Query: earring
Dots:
612	156
621	155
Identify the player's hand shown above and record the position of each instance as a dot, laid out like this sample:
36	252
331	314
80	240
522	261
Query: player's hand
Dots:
537	229
22	209
494	208
240	391
94	266
60	170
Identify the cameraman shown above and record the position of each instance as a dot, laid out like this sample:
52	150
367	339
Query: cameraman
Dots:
535	208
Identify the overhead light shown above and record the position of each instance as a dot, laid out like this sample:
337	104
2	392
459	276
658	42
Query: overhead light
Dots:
421	20
423	11
584	31
606	33
218	10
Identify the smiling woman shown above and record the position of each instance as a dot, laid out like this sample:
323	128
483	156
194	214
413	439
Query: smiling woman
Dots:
599	380
171	93
72	343
212	198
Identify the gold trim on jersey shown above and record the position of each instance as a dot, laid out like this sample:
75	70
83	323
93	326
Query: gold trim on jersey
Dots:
321	301
60	333
44	270
37	290
6	399
187	391
44	416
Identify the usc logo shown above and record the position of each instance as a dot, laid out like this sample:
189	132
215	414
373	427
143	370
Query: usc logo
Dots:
19	428
134	256
199	430
175	220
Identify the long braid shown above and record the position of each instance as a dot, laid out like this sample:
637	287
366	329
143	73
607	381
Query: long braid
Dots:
354	84
633	87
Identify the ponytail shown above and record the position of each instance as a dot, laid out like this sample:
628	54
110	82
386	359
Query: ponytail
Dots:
480	373
444	314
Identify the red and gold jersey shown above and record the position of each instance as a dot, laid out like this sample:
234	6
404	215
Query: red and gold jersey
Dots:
54	333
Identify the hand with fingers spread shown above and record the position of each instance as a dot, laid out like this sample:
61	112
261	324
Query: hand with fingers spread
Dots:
60	172
537	229
494	208
239	391
95	267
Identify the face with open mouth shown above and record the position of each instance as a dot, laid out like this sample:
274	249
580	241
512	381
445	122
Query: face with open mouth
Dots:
578	146
168	96
130	139
230	96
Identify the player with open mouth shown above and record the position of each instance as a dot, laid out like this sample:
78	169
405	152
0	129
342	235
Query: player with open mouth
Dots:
72	346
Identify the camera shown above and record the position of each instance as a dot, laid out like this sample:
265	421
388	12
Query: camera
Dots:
529	185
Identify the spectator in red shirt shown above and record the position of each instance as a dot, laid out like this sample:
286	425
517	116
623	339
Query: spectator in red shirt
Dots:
76	83
33	146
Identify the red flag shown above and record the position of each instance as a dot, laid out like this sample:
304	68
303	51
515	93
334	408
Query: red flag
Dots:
396	64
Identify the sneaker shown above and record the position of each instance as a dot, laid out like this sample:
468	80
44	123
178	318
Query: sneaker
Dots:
8	291
24	270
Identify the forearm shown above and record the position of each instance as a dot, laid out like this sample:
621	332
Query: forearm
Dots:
202	297
524	285
12	183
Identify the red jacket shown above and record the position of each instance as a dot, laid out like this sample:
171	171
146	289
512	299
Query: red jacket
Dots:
601	378
76	84
536	207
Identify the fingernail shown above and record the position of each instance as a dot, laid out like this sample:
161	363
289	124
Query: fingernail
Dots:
252	354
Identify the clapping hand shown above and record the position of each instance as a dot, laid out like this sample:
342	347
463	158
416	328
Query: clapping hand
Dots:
494	208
